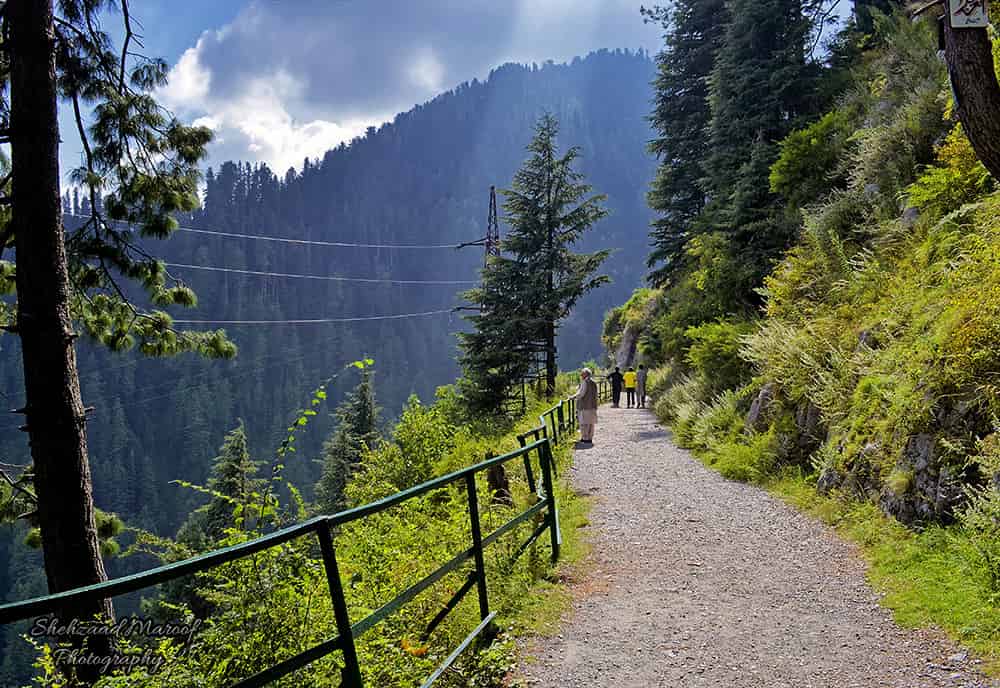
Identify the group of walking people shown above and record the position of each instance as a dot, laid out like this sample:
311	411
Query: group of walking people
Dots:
632	381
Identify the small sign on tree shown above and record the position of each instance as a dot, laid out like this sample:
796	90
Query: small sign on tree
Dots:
968	14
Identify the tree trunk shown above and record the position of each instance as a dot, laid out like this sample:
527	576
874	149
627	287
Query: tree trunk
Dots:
550	359
55	415
969	55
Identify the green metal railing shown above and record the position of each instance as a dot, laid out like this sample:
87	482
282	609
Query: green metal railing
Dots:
554	424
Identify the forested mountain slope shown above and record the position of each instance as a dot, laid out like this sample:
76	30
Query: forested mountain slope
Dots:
422	179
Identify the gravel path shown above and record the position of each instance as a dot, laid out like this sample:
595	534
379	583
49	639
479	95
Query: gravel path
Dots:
698	581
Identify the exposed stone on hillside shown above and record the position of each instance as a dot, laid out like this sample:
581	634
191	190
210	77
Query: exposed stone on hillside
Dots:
811	431
625	355
931	490
762	408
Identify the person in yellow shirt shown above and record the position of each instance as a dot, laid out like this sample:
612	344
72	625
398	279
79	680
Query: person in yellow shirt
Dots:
630	379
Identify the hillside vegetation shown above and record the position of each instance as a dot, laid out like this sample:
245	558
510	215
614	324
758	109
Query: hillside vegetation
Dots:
268	607
863	365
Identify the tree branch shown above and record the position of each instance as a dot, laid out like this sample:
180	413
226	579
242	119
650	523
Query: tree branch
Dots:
15	484
125	43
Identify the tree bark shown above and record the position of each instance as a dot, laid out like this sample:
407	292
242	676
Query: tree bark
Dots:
550	359
969	54
55	414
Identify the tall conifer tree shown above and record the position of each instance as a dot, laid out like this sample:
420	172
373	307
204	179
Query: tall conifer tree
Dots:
140	166
357	430
527	292
762	84
681	114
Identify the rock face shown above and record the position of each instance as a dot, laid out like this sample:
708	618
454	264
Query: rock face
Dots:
811	429
862	480
762	408
829	479
625	355
932	491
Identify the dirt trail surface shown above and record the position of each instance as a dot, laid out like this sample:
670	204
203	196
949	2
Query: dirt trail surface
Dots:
698	581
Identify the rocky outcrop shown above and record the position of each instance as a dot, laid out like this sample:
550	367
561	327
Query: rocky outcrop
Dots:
931	490
762	409
625	354
810	429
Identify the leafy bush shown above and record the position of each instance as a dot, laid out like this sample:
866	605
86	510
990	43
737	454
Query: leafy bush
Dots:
809	163
751	460
719	422
956	179
714	353
980	523
687	391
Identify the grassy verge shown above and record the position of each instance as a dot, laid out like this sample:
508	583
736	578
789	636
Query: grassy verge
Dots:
543	609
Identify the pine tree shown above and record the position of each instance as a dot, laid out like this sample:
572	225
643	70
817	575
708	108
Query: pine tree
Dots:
681	115
762	84
500	350
147	162
357	430
863	15
233	474
234	482
525	296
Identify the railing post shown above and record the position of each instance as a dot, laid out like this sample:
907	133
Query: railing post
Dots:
559	415
550	496
477	546
352	670
528	473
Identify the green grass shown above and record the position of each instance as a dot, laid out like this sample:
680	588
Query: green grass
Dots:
543	610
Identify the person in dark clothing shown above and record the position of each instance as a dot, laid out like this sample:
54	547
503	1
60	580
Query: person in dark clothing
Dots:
617	379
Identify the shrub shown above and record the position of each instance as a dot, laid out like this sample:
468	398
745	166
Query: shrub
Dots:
808	164
688	391
980	523
720	421
957	178
714	353
749	460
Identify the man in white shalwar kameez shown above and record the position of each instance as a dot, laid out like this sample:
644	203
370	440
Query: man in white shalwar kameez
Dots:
586	406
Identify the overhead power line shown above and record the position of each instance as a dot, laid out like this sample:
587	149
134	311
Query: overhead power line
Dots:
335	244
329	278
363	318
287	240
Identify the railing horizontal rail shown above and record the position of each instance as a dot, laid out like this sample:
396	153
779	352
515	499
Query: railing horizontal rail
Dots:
445	480
291	664
450	659
41	606
372	620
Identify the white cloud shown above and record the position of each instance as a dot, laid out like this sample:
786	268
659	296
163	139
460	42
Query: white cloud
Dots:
426	71
257	122
189	81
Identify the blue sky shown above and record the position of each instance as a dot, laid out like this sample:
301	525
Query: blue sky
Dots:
279	80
